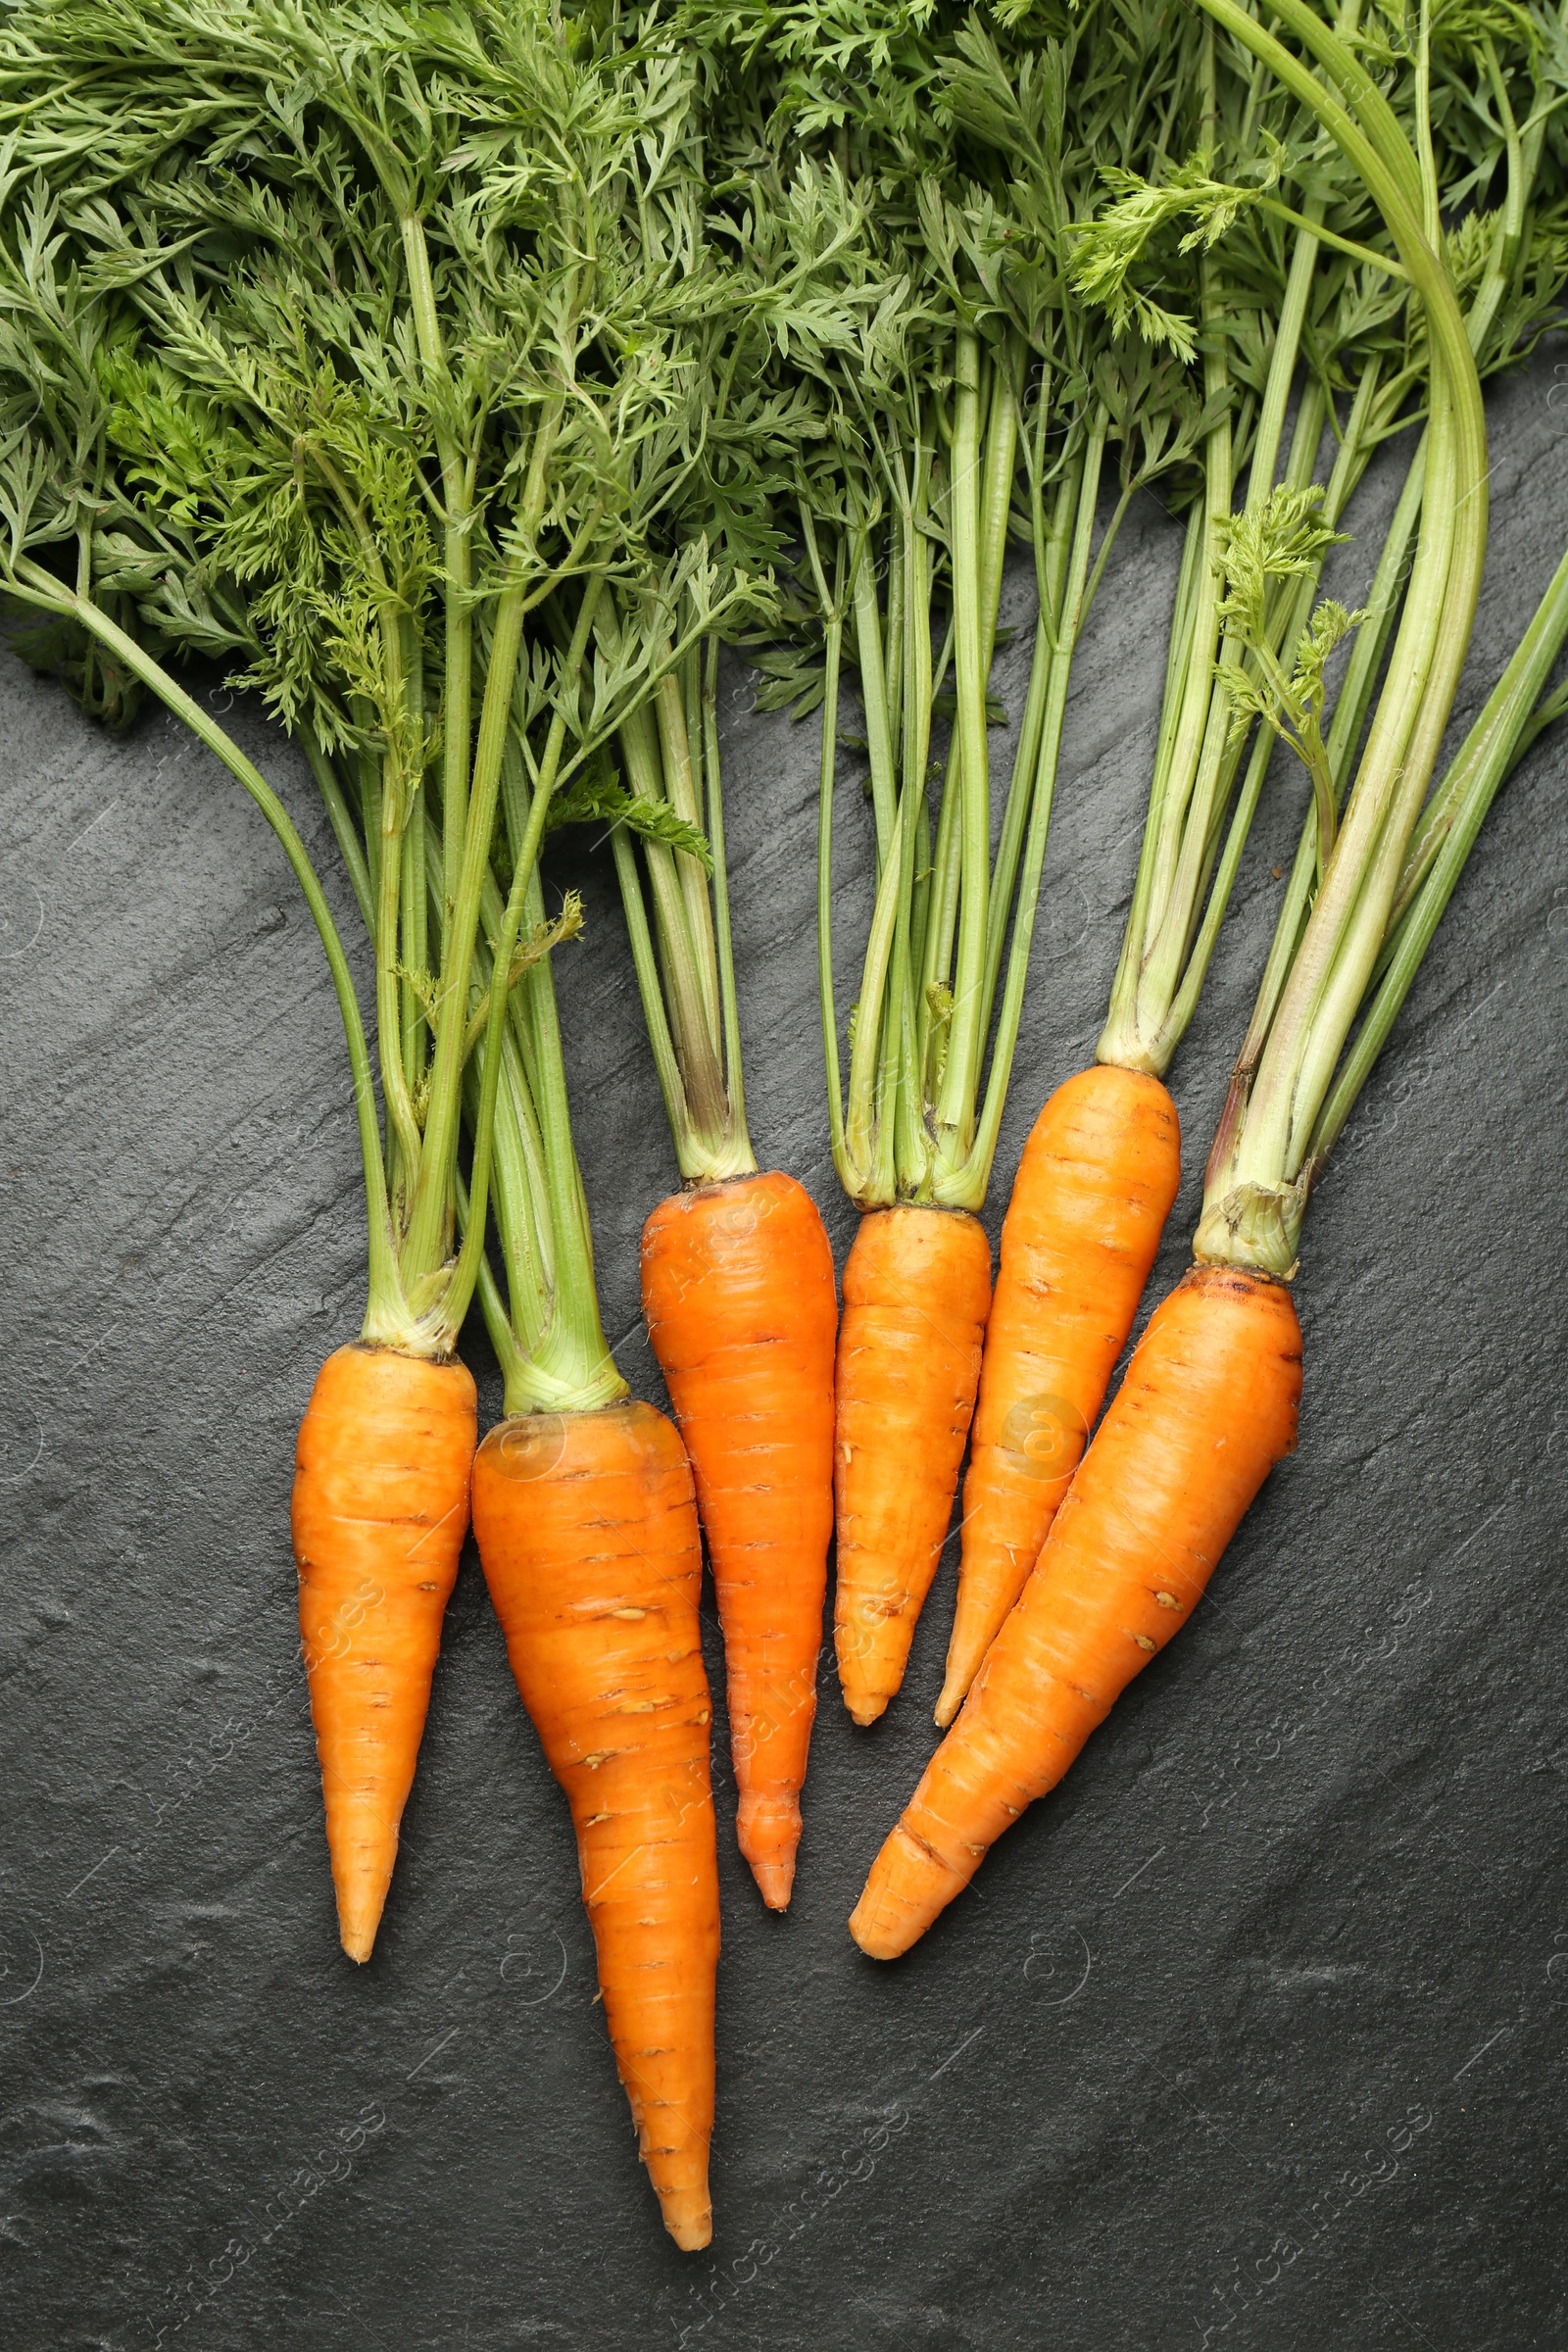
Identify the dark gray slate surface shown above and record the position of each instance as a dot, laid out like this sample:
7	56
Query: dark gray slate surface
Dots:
1253	2033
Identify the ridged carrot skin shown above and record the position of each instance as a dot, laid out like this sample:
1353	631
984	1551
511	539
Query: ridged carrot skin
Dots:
1093	1187
587	1528
1206	1409
379	1513
917	1292
741	1310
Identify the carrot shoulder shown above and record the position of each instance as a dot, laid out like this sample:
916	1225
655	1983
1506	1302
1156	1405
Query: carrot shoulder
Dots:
1094	1185
380	1510
741	1310
587	1529
1208	1405
916	1291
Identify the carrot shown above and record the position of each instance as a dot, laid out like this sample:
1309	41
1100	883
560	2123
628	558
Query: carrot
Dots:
1208	1407
1076	1260
914	1122
380	1510
587	1529
737	1269
1210	1401
917	1289
1093	1187
738	1293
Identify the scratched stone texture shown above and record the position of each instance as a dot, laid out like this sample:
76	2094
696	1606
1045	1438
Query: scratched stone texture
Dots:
1253	2033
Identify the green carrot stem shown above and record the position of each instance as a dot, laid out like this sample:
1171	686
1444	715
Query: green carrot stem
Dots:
693	1019
970	1191
1254	1212
1349	716
429	1236
1178	657
682	789
713	810
867	1086
413	933
508	1355
832	608
1053	619
341	818
489	762
404	1139
564	1364
645	963
873	694
386	1318
956	1103
1488	757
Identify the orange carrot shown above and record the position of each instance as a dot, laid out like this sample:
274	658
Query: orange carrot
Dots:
380	1510
587	1529
741	1310
916	1290
1093	1187
1208	1407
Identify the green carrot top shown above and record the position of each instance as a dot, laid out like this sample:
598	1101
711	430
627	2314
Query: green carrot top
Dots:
357	332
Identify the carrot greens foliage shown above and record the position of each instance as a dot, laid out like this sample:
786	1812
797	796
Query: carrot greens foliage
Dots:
458	379
366	345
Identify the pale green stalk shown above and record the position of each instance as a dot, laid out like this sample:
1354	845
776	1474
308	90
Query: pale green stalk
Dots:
1253	1213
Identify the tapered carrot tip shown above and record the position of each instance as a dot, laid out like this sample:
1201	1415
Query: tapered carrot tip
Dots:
364	1849
952	1694
866	1706
768	1830
909	1884
688	2217
358	1915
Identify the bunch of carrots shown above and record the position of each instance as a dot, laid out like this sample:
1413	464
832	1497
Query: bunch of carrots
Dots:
463	382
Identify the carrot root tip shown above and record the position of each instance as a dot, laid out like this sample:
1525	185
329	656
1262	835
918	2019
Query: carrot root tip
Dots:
768	1830
776	1880
360	1901
691	2227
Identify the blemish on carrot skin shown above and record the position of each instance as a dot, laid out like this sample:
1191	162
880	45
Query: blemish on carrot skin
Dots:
1167	1601
1144	1643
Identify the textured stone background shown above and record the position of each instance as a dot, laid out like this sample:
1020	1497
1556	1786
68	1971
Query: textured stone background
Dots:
1254	2031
